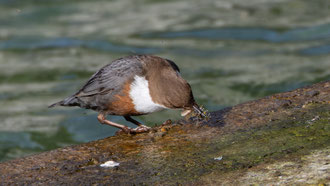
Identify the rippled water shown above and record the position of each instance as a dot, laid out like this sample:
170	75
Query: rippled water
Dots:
230	52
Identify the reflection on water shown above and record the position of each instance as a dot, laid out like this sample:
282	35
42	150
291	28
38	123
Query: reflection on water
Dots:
317	50
38	43
318	32
230	52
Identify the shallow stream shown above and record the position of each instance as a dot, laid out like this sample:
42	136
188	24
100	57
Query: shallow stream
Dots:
229	51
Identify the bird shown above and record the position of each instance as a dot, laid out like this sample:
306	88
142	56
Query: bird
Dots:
132	86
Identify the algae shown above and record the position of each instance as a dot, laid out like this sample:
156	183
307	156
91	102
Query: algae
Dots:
188	160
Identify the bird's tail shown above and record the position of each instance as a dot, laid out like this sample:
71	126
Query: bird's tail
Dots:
55	104
70	101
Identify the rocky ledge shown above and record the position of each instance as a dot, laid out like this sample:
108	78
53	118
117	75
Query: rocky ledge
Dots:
283	138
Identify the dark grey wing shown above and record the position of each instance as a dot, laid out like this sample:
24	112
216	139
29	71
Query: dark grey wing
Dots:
111	77
104	84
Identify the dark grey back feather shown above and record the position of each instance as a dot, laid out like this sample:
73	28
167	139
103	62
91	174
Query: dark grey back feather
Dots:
111	77
104	84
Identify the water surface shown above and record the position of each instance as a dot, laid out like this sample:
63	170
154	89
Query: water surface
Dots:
230	52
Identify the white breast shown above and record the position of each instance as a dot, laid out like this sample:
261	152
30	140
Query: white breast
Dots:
140	95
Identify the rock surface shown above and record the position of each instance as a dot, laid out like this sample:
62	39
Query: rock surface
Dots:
283	138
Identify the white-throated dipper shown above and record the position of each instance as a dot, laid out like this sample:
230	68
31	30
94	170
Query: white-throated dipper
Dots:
132	86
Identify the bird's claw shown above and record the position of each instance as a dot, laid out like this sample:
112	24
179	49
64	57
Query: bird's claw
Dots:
139	129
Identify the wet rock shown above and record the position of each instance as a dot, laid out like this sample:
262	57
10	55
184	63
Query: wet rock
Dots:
312	93
274	140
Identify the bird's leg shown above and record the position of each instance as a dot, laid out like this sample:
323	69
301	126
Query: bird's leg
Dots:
128	118
140	128
102	120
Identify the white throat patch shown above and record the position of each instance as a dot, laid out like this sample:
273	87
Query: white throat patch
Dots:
140	95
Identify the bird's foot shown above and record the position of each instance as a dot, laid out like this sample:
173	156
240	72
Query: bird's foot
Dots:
139	129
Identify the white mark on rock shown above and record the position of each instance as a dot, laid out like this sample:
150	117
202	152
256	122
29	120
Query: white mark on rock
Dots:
109	164
218	158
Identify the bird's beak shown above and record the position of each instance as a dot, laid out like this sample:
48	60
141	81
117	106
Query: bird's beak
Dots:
185	112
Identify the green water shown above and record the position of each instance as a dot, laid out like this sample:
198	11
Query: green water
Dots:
229	51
